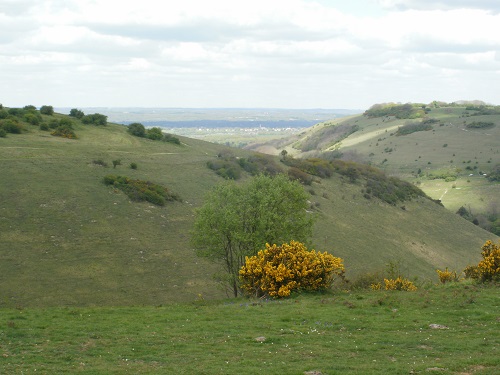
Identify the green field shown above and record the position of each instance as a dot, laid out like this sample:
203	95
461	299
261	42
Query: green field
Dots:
357	332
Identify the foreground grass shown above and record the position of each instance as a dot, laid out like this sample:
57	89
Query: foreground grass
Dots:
365	332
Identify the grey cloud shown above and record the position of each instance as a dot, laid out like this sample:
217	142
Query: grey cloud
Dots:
15	8
212	31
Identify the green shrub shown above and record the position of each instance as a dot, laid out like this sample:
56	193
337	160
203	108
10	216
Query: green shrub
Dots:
95	119
11	126
47	110
3	133
413	127
171	139
154	134
33	118
401	111
297	174
137	129
76	113
480	125
138	190
64	132
133	165
100	162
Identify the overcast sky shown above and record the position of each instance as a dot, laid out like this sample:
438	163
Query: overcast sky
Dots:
232	53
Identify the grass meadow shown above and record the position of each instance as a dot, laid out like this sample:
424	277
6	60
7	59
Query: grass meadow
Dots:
66	239
345	332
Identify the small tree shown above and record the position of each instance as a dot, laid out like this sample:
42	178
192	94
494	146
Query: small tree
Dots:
238	220
47	110
155	134
137	129
76	113
276	271
116	162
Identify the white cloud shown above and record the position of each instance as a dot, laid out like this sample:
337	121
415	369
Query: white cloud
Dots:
285	53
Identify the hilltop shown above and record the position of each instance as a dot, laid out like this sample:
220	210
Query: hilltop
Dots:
66	238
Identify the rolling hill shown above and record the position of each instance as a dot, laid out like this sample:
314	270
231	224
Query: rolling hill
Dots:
67	239
448	153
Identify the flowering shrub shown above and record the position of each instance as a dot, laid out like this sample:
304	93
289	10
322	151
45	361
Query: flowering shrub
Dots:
399	284
278	270
447	276
489	268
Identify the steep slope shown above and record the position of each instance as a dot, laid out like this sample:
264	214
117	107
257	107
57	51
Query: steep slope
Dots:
68	239
448	161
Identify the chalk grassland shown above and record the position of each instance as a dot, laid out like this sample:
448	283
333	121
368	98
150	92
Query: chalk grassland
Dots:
66	239
450	147
368	332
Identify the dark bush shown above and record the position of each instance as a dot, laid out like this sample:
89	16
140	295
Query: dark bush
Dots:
47	110
413	127
76	113
297	174
95	119
33	118
154	134
138	190
11	126
480	125
171	139
137	129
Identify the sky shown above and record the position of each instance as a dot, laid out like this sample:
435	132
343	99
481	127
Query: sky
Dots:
247	54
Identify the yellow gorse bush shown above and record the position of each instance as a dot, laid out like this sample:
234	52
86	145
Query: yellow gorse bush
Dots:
447	276
399	284
278	270
489	268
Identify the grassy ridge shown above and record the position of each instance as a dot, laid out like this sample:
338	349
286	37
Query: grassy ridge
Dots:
67	239
452	147
369	332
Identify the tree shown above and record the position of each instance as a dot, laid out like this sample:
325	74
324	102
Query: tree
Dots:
155	134
47	110
76	113
137	129
238	220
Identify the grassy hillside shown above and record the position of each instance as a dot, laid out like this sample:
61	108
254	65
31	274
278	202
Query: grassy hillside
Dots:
448	161
368	332
68	239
